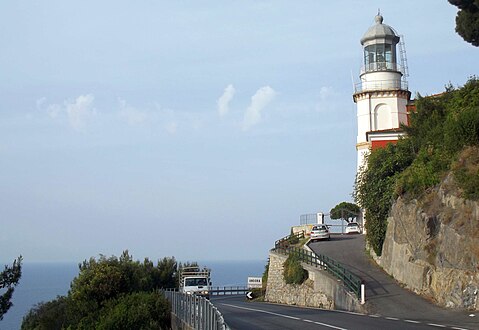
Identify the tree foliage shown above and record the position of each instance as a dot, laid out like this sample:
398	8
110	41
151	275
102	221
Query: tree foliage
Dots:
9	278
110	293
467	20
440	129
346	211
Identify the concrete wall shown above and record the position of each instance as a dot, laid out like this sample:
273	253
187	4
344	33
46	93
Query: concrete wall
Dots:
319	290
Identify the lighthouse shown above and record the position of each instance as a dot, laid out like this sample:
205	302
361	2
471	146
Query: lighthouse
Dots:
382	95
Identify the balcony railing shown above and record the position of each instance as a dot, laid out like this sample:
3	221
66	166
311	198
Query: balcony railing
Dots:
382	66
381	85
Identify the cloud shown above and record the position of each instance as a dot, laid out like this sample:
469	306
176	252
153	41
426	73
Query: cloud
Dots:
259	101
40	102
171	127
77	112
327	99
224	100
80	111
130	114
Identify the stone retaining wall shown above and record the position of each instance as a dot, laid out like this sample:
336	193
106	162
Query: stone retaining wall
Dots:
320	290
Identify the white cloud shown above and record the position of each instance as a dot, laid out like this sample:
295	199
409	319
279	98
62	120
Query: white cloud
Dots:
130	114
327	99
53	110
224	100
40	102
77	112
80	111
259	101
171	127
325	93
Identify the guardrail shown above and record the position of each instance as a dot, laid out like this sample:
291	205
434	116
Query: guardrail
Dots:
285	241
335	268
228	290
195	311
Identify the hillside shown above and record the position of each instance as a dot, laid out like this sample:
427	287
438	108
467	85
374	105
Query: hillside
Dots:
421	198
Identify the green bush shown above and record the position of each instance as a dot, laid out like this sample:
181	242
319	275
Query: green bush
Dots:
139	310
293	272
110	293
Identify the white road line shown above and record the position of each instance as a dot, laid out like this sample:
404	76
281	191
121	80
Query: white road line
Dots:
374	315
392	318
285	316
412	321
436	325
457	328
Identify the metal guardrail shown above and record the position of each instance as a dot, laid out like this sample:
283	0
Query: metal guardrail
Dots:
285	241
195	311
228	290
337	269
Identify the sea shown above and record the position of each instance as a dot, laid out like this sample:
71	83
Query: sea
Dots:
41	282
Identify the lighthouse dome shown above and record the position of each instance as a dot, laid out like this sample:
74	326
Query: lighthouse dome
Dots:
379	31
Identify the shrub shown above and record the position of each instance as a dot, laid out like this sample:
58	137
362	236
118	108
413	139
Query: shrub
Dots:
293	272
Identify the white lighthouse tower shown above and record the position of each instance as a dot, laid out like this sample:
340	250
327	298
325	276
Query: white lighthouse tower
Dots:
382	95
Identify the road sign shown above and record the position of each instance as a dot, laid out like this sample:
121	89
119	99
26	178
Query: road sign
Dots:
249	295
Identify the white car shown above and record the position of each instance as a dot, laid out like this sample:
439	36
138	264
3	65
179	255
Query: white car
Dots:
353	228
320	232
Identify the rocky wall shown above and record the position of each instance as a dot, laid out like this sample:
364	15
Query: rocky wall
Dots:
432	247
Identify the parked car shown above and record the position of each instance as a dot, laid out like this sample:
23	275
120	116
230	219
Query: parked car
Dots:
320	232
353	228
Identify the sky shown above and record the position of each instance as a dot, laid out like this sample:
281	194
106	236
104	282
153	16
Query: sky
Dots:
195	129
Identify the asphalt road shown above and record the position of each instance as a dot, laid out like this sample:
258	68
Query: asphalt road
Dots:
384	296
240	314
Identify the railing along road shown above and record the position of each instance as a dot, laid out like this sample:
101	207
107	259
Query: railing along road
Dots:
195	311
352	281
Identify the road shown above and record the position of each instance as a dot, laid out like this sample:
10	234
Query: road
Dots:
240	314
384	295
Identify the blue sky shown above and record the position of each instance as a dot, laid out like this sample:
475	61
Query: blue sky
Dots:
195	129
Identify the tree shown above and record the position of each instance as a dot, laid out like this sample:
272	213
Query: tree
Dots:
110	293
345	211
9	278
467	20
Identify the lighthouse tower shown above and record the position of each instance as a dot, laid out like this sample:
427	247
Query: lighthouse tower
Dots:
382	95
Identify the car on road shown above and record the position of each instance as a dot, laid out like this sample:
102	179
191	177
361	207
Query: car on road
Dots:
353	228
320	232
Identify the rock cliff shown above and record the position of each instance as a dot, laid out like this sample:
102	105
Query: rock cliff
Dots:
432	246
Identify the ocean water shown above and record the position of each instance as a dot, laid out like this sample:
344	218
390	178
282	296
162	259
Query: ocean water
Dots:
42	282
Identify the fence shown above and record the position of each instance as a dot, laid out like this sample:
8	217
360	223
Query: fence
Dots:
353	282
195	311
228	290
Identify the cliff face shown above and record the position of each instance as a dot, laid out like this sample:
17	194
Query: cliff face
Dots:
432	246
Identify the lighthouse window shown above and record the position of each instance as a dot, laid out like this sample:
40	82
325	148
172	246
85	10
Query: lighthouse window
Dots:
388	53
370	56
377	57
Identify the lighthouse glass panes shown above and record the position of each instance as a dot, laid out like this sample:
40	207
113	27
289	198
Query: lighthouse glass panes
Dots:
378	57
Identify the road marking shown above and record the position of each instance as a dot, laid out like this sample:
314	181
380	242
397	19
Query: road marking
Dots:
392	318
436	325
412	321
457	328
285	316
374	315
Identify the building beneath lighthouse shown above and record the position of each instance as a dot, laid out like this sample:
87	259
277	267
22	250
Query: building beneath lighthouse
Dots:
382	95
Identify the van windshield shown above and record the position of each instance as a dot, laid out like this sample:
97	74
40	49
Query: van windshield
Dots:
195	281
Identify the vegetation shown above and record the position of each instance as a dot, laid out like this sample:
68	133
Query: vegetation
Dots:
111	293
345	211
9	278
264	279
293	272
443	137
467	20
